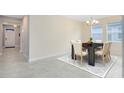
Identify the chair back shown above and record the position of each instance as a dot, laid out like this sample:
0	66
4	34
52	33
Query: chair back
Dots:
78	40
106	48
77	47
73	41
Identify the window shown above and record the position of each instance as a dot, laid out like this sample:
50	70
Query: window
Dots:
9	30
114	32
97	33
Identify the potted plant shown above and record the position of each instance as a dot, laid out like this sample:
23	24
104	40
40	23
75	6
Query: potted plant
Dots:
90	40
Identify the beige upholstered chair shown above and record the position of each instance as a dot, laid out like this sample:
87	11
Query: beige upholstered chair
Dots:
105	52
78	40
78	50
73	41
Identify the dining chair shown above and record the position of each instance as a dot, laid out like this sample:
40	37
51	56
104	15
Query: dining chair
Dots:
105	52
78	50
72	41
109	53
78	40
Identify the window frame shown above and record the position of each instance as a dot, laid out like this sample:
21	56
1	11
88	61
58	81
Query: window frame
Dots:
101	32
107	32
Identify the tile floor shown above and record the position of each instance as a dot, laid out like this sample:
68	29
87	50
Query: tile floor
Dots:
14	65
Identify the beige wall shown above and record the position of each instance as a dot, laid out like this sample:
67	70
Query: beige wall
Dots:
51	35
24	36
6	20
116	48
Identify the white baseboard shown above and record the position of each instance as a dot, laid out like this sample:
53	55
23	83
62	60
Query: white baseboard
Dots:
44	57
26	57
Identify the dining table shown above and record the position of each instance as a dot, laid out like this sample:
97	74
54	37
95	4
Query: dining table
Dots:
91	47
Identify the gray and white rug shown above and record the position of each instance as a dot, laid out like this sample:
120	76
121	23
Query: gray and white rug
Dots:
100	69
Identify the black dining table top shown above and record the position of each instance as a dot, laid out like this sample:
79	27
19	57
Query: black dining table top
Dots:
92	44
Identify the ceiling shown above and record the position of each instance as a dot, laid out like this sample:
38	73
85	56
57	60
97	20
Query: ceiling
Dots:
15	16
86	17
75	17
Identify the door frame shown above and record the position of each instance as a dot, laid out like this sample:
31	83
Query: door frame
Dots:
3	35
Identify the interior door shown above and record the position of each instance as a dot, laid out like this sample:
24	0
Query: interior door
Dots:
9	38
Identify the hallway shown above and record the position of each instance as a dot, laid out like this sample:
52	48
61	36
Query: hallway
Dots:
11	62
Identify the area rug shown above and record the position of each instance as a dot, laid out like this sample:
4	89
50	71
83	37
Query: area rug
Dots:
100	69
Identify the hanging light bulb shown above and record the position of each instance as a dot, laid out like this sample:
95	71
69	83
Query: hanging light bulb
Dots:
97	22
15	25
87	22
94	21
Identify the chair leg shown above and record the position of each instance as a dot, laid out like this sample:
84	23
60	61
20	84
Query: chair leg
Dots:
75	58
109	56
104	58
81	59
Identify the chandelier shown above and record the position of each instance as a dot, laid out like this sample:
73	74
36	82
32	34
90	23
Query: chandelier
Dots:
92	21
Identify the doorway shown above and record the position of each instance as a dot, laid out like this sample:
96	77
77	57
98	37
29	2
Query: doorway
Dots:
11	36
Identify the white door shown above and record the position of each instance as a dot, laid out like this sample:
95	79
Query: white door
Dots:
9	38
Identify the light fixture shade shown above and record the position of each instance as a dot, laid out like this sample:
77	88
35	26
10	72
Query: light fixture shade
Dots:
97	22
94	21
15	25
87	22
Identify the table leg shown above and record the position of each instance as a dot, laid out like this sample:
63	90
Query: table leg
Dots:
91	56
72	52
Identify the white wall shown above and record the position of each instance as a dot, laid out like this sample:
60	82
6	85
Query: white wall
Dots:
8	20
24	37
17	41
51	35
